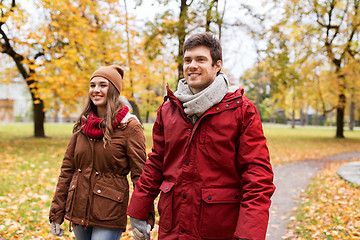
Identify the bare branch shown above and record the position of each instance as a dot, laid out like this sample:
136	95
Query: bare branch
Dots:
342	19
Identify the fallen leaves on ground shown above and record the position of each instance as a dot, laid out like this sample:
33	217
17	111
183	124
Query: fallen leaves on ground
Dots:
29	169
330	209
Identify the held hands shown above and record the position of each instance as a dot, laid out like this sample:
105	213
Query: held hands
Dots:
56	230
140	229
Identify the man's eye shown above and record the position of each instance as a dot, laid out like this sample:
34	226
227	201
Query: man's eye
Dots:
187	60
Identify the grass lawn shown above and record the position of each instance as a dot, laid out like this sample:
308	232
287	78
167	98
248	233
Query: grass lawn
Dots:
30	167
289	145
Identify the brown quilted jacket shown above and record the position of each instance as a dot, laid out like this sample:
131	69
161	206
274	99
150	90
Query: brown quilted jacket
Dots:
93	188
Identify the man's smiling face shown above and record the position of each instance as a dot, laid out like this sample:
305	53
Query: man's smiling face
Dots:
198	69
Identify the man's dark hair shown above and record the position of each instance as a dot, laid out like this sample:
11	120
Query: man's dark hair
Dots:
207	40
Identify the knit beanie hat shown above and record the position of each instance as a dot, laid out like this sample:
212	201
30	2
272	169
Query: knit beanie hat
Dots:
112	73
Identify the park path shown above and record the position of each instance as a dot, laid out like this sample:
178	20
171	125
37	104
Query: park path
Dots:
290	180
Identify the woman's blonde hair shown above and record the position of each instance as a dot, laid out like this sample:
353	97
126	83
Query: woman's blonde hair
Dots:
113	106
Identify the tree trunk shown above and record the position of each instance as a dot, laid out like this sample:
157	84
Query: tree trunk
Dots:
293	113
352	106
39	114
209	15
293	119
340	108
285	120
302	117
181	37
39	119
135	108
352	116
340	112
38	104
220	20
147	116
132	101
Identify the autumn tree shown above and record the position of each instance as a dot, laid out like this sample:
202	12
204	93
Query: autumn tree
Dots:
332	27
12	21
352	74
256	82
152	74
172	27
130	35
57	57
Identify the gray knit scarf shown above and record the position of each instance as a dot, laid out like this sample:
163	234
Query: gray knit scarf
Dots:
196	104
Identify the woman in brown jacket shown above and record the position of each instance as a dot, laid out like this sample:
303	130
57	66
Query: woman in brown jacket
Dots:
107	143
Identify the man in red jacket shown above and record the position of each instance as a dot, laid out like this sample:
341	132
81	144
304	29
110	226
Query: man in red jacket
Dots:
209	158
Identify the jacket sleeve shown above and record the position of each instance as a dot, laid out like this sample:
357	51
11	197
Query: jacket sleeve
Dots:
57	208
256	176
136	152
147	187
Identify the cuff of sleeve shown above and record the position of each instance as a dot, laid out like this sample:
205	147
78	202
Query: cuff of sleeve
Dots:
151	219
140	208
56	219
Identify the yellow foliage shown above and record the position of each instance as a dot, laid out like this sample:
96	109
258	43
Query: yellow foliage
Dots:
72	39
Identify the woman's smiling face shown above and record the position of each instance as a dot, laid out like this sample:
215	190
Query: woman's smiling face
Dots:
98	90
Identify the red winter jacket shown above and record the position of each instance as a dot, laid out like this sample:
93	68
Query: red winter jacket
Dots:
215	176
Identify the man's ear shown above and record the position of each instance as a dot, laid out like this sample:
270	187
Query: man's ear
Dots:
218	65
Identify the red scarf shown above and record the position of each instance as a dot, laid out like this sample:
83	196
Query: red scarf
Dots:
93	127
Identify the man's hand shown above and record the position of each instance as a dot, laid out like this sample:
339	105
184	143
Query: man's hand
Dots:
56	230
140	228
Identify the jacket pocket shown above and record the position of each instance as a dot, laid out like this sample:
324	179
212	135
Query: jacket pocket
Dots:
165	206
219	212
71	192
108	203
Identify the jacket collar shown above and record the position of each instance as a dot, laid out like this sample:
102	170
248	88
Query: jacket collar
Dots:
177	102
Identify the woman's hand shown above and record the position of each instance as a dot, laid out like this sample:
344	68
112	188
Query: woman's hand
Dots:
56	230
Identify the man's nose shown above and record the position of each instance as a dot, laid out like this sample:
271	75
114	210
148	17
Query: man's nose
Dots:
193	64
